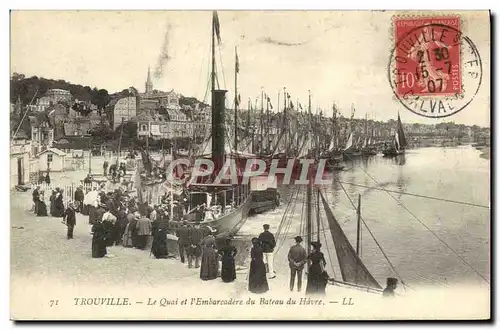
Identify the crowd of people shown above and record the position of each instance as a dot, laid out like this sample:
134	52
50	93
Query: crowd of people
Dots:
119	219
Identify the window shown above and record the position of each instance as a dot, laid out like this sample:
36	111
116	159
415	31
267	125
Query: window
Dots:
49	158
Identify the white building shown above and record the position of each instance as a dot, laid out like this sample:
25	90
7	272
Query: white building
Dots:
123	110
51	159
19	162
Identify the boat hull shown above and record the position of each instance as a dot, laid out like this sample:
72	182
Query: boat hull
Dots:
393	153
352	154
226	225
368	152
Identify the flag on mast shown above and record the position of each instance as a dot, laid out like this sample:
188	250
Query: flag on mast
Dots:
269	101
216	26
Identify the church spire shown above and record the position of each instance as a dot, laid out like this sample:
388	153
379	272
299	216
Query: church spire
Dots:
149	83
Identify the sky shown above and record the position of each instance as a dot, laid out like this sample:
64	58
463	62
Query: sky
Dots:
339	56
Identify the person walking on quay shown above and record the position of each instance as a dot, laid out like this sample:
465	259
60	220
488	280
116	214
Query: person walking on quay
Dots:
127	240
98	240
392	284
209	259
91	200
58	204
47	178
70	219
317	278
228	252
120	224
99	212
257	280
41	209
112	171
297	257
159	247
105	167
36	199
183	242
143	232
195	238
108	222
52	200
79	197
268	243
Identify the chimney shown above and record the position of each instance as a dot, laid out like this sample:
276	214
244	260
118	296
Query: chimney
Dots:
218	129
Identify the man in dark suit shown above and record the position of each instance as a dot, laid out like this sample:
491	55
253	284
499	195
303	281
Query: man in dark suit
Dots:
70	219
195	238
182	234
297	257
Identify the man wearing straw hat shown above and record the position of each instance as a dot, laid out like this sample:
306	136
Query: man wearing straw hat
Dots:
297	257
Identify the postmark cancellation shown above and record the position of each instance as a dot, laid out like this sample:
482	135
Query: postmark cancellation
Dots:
435	70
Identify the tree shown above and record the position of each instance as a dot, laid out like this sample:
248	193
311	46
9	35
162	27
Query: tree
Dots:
101	133
17	76
129	130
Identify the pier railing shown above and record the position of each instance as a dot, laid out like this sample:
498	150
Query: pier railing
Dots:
68	190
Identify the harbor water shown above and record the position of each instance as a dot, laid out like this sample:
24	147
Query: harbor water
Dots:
420	236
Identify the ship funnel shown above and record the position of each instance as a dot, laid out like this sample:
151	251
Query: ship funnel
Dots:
218	129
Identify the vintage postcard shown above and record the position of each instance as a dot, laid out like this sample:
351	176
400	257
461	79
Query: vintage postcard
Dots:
250	165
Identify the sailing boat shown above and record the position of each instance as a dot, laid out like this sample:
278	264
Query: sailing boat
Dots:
351	149
333	154
399	142
367	149
225	205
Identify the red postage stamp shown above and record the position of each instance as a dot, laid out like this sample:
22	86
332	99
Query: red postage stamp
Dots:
427	56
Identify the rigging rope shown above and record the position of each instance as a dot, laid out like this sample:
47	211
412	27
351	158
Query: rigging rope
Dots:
425	226
221	67
417	195
289	223
375	240
208	79
288	220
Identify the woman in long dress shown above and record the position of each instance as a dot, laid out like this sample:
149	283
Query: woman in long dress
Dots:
317	277
41	209
209	261
98	240
228	271
257	280
127	235
159	248
58	204
52	200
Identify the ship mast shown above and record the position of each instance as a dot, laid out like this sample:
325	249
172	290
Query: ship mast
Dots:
236	100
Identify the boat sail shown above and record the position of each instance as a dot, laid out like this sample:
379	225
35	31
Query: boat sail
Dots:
399	144
367	149
348	145
352	268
